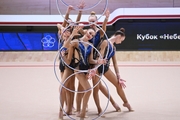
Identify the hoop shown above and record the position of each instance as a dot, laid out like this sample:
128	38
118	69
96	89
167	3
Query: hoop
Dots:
105	8
82	9
87	91
77	69
85	43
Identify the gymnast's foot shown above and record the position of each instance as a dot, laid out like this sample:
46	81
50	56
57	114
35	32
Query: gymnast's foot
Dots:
99	111
128	106
87	108
116	106
73	109
77	113
68	113
60	115
81	115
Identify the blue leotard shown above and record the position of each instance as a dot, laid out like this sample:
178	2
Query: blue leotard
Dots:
96	39
109	52
84	52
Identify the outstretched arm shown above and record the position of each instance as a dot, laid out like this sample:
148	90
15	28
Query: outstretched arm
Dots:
121	81
80	6
104	23
114	60
67	15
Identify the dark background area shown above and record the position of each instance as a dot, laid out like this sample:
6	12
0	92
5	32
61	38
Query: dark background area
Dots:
159	33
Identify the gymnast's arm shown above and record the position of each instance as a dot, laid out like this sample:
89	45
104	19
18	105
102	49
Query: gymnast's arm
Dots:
102	51
80	6
104	23
91	60
103	47
59	26
67	15
114	60
69	56
74	32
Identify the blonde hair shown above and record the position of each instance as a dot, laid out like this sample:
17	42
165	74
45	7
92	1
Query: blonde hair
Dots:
93	14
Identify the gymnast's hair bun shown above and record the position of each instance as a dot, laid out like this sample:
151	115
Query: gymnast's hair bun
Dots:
93	13
122	30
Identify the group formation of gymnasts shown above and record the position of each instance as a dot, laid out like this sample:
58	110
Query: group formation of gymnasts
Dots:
77	51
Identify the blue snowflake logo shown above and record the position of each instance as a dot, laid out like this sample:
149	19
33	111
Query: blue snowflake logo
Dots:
48	41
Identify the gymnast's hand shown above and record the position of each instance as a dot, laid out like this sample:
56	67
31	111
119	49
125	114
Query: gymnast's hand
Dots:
121	82
70	7
81	5
92	72
75	30
63	51
107	13
101	61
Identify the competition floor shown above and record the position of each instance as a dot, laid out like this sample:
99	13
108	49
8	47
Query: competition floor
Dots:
29	91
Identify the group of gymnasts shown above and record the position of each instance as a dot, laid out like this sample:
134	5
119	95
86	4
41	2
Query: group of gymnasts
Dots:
87	49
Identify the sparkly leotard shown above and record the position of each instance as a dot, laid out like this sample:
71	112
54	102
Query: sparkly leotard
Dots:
61	64
84	52
109	52
96	39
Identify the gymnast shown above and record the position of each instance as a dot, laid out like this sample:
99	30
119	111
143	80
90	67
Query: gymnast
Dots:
107	49
85	51
64	32
96	41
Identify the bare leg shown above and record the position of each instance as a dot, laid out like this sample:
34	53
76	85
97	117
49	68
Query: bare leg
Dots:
72	87
79	97
96	95
85	84
112	78
60	110
105	92
64	94
70	95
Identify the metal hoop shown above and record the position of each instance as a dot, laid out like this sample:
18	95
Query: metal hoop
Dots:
77	69
82	9
105	8
87	91
88	44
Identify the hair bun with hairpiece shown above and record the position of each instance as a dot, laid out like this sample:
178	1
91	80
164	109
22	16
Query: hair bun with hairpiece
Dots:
93	13
122	30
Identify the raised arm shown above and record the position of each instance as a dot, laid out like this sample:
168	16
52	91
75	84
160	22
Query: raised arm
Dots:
80	6
67	15
104	23
59	27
